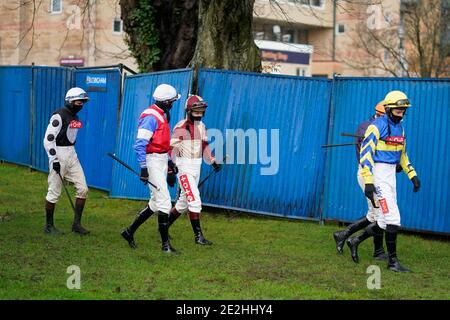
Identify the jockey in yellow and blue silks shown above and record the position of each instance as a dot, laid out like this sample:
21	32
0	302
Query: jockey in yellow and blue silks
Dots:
383	148
340	237
384	142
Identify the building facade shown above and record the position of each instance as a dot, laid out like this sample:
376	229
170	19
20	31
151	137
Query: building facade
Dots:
316	38
307	23
62	33
329	28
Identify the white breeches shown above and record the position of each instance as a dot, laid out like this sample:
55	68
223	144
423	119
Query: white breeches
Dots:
386	194
71	171
157	174
188	178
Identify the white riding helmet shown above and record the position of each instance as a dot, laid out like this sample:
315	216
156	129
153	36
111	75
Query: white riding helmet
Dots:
76	94
165	92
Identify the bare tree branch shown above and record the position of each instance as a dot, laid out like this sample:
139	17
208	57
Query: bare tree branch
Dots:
31	27
417	52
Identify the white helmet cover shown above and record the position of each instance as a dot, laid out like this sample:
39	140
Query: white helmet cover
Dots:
165	92
76	94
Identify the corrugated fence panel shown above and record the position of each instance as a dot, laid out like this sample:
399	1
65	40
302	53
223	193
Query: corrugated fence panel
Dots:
137	96
305	178
99	118
295	107
15	111
427	129
50	85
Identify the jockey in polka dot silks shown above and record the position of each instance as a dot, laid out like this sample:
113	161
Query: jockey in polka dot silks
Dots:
59	143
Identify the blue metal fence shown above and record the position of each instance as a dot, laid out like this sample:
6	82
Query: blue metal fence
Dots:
50	85
137	97
296	108
428	134
304	113
15	111
99	118
34	93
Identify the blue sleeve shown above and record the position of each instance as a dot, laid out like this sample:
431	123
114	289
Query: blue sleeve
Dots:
360	132
149	124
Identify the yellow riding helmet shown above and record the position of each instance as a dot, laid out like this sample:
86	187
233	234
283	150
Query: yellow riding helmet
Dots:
379	108
396	99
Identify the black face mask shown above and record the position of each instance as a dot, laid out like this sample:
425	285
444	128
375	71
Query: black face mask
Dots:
395	119
167	113
73	108
165	106
193	119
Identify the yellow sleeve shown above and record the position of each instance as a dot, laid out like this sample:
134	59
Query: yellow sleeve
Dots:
406	165
368	147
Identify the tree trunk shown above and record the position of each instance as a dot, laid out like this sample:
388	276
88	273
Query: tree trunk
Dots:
177	23
175	33
225	39
198	33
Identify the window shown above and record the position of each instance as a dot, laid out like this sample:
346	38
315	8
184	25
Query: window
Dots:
302	36
312	3
340	28
387	55
258	35
300	72
388	18
117	25
287	38
280	33
288	35
56	6
262	32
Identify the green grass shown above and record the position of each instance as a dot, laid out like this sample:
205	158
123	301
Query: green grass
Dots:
251	258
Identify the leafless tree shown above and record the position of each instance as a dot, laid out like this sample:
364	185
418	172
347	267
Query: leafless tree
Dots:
28	36
218	34
410	44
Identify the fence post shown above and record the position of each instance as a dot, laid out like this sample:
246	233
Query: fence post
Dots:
329	138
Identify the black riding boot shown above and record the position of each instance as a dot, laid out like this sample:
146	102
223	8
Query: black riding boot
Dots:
173	216
198	234
354	242
128	233
391	244
49	226
76	226
163	223
379	252
341	236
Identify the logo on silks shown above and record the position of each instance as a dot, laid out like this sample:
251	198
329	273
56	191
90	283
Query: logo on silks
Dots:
96	82
395	141
187	188
74	124
384	206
